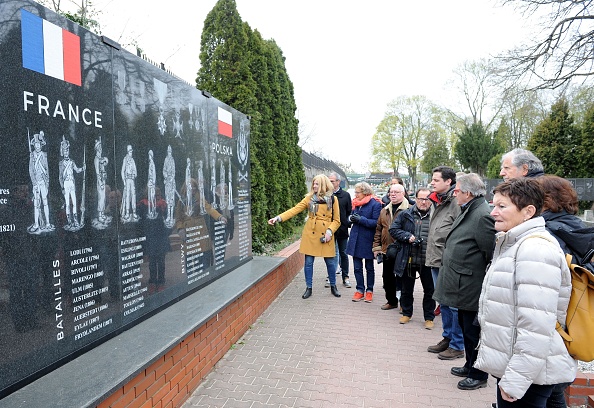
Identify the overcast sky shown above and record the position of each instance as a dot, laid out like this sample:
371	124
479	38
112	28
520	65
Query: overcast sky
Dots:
347	60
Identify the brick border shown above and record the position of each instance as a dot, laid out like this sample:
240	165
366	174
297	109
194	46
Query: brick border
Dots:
171	380
581	392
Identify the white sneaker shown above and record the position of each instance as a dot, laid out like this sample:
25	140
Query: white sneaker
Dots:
346	283
327	285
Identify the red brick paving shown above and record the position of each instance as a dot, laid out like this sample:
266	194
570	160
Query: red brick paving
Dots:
327	352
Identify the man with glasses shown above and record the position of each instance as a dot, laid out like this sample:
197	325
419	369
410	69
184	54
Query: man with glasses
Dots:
411	229
468	250
383	239
341	236
396	180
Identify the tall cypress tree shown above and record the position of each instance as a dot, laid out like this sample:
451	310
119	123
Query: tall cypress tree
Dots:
248	73
586	147
555	141
475	147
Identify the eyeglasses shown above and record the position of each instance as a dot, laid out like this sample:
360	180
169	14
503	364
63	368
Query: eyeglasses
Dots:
358	192
334	181
422	199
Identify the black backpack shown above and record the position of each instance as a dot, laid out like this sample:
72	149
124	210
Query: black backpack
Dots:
580	243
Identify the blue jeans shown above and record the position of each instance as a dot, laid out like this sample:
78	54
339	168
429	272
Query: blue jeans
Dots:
358	269
308	270
434	273
449	320
342	258
451	328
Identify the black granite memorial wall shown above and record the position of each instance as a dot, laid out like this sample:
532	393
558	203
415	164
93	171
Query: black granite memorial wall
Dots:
122	189
584	187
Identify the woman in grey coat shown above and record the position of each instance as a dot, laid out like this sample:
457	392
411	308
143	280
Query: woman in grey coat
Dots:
525	293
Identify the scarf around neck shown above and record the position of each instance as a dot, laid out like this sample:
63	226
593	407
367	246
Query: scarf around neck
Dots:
360	202
316	200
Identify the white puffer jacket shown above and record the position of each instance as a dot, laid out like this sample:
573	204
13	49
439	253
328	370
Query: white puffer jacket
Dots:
526	290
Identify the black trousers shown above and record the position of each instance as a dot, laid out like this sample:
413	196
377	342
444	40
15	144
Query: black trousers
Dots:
408	287
472	333
392	283
535	397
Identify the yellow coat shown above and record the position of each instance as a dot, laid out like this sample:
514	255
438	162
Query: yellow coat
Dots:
316	226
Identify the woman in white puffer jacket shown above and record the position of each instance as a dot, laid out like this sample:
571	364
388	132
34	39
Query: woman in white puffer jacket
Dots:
525	292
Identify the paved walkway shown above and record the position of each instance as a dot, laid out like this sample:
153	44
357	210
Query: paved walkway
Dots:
326	352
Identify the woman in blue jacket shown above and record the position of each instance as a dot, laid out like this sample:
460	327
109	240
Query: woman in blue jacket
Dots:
366	211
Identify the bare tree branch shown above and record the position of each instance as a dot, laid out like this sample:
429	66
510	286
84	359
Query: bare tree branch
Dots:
564	52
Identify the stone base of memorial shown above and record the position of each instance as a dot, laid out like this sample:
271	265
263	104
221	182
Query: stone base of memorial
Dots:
163	359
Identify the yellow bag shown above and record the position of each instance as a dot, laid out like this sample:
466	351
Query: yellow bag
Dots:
579	333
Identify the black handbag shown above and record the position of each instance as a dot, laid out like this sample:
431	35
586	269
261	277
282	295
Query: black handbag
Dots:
393	249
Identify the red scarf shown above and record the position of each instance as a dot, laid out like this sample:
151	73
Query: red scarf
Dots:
363	201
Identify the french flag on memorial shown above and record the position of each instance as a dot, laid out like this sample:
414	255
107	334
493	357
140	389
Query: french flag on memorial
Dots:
225	122
49	49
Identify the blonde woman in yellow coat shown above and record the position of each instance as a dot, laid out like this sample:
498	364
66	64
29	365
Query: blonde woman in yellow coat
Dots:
317	239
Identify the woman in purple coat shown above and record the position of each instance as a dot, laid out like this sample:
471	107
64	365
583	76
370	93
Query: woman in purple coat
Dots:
366	210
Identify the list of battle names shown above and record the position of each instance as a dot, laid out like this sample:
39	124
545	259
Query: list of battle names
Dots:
194	257
87	284
243	223
219	244
131	257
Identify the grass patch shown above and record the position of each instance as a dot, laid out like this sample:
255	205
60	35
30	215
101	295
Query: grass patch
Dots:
274	247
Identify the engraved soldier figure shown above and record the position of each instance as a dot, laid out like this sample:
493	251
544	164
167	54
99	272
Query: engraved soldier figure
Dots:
222	202
189	199
67	168
213	181
151	183
101	172
169	180
129	197
201	188
39	174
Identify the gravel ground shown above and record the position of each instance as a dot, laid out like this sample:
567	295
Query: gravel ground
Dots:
586	367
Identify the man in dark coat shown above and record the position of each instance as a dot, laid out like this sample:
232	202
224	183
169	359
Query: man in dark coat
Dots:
468	249
341	236
411	229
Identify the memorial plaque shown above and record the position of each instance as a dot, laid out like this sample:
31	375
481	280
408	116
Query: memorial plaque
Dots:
122	189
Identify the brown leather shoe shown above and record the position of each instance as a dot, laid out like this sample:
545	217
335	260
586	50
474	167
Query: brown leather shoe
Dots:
439	347
388	306
450	354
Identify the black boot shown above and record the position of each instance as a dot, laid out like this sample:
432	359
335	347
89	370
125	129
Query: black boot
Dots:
307	293
334	291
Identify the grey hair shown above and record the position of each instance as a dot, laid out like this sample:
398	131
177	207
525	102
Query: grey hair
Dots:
397	187
364	187
336	175
519	157
471	183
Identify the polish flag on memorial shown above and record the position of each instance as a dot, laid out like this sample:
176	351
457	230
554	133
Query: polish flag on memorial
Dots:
225	123
49	49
